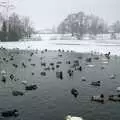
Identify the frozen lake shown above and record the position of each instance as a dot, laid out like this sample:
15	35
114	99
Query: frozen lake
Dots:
101	46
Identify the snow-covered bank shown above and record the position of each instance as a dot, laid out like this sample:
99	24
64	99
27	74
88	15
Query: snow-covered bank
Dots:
101	46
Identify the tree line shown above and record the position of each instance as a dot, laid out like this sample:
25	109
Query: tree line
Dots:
15	28
79	24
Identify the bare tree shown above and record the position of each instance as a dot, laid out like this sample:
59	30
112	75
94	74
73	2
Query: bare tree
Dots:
28	27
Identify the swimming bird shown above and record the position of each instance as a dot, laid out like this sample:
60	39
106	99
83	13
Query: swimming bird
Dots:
10	113
107	55
74	92
69	117
118	89
83	79
115	98
113	76
24	82
3	73
31	87
17	93
99	98
97	83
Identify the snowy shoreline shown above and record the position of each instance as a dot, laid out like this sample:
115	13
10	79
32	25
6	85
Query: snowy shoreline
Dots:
82	46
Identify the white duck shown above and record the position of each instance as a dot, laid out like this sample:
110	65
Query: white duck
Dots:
3	73
118	89
69	117
24	82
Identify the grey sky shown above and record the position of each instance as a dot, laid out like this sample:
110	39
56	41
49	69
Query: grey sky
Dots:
46	13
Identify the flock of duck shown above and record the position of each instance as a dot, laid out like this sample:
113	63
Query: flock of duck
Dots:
74	66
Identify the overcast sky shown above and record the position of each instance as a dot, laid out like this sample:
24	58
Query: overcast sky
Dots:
46	13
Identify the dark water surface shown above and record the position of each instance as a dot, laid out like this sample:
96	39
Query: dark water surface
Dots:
53	99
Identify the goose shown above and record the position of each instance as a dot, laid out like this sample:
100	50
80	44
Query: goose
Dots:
69	117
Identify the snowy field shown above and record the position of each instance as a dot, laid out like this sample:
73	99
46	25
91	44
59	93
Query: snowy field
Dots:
101	46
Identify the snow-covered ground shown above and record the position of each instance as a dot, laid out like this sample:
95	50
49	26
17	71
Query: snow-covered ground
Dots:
101	46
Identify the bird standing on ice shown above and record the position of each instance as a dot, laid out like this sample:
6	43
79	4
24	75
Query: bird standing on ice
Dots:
69	117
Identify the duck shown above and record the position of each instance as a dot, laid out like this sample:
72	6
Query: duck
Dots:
10	113
69	117
68	62
83	79
15	65
3	79
115	98
59	75
24	82
102	67
51	64
31	87
74	92
43	64
99	98
70	73
76	62
17	93
97	83
11	76
118	89
107	55
89	60
79	68
113	76
46	50
31	54
57	66
96	58
23	64
3	73
59	62
43	73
